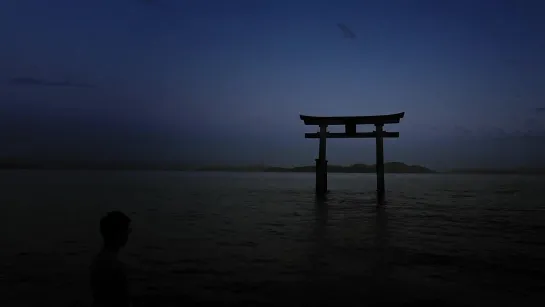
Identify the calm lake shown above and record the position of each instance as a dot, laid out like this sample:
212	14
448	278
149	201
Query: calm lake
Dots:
257	239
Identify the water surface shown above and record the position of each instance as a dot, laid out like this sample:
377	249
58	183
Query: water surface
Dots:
262	238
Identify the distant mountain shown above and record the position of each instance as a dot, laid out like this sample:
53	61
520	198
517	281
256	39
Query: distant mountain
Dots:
389	167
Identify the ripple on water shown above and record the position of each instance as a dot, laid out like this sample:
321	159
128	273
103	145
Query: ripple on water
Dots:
266	239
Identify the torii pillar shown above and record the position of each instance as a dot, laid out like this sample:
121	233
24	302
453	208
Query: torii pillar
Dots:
350	123
321	164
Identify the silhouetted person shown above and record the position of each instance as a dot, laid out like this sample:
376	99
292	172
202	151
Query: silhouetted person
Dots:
108	276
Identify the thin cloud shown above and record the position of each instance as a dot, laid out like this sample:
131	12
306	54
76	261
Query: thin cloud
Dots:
540	110
346	31
31	81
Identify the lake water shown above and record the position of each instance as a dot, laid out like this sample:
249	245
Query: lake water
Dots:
255	239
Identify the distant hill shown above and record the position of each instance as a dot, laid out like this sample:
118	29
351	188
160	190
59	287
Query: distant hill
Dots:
389	167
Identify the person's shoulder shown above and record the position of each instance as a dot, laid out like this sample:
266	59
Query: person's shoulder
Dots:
105	260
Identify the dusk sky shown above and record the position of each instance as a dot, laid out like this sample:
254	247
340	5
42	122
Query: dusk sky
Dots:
213	81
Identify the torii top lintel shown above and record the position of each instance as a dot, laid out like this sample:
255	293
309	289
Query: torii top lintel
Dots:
353	120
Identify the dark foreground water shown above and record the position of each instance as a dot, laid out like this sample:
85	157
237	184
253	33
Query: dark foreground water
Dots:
262	239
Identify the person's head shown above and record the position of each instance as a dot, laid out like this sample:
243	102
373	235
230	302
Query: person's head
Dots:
115	229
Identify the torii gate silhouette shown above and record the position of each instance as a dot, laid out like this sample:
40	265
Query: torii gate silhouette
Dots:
350	123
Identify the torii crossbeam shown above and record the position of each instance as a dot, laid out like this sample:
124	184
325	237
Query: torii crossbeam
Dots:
350	123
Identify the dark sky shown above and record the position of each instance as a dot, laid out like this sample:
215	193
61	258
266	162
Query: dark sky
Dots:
225	81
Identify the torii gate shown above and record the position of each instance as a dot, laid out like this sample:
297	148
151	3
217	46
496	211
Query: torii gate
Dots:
350	123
